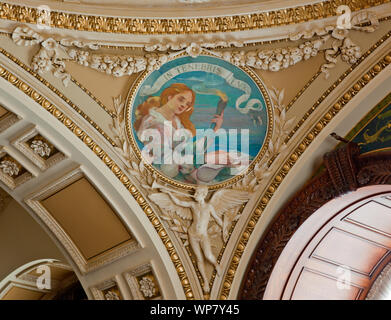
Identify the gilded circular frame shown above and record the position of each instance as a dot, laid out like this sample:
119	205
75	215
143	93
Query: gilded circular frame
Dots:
188	186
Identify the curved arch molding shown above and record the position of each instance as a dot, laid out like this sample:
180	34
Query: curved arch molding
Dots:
157	26
47	105
346	170
110	163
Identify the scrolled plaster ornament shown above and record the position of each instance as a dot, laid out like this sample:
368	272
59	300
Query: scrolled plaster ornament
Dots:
48	59
52	55
192	219
369	19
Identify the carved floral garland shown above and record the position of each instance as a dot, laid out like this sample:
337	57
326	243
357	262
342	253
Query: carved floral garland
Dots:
53	54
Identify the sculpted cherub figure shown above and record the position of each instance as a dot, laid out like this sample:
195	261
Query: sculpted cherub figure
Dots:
199	212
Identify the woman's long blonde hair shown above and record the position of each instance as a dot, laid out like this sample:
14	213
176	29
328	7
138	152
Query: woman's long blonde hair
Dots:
156	102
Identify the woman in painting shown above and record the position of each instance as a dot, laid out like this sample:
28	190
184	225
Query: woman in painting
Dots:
174	107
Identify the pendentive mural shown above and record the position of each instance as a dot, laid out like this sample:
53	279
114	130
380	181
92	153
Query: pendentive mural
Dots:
373	133
198	120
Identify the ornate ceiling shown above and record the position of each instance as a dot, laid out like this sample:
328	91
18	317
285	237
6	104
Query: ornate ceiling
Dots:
72	81
164	8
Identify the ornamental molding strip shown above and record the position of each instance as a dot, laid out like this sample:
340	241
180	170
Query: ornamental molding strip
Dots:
181	25
24	285
377	69
101	154
53	53
54	283
22	278
293	157
84	265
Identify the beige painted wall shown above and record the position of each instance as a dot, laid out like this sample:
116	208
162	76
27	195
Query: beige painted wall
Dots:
22	240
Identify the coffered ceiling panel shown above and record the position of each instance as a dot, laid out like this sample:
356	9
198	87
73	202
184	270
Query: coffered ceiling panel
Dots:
85	215
18	293
90	69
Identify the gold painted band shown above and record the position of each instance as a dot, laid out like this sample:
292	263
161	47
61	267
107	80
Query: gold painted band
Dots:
150	26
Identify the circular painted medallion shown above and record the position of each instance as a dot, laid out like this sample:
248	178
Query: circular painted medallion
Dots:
199	120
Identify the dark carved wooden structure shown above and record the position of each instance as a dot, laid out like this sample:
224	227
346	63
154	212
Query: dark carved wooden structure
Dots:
346	170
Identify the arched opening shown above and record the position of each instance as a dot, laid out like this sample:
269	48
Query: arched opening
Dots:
92	190
339	251
43	279
344	183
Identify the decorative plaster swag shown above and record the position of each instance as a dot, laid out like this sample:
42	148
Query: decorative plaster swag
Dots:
53	53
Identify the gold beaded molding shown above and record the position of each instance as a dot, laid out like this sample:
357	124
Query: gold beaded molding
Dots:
333	86
48	106
150	26
152	216
292	159
58	93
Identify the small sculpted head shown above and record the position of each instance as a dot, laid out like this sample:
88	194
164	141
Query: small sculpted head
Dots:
201	193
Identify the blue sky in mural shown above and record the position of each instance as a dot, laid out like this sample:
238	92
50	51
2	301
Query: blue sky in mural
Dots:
240	88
